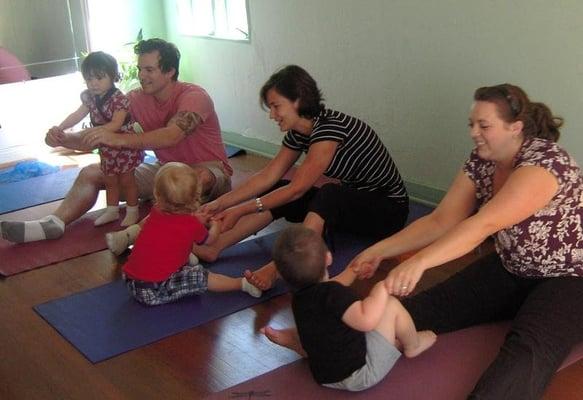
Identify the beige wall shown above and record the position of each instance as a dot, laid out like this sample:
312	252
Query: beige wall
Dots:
408	67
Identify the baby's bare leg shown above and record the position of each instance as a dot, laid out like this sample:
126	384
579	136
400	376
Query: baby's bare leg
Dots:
128	184
112	194
223	283
398	328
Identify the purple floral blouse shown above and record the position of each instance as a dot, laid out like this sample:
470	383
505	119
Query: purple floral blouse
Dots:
550	242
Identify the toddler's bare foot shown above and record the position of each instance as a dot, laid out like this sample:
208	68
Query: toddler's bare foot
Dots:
205	253
287	338
426	340
263	279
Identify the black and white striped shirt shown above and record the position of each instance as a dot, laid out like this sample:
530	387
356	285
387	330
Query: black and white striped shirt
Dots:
361	161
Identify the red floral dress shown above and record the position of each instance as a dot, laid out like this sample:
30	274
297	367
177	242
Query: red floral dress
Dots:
113	161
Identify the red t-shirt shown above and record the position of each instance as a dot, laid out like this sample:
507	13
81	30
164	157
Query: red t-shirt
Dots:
163	245
204	144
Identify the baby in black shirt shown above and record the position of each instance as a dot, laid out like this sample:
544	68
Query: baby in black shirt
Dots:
351	344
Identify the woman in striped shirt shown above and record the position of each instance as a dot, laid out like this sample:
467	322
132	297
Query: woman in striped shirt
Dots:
368	198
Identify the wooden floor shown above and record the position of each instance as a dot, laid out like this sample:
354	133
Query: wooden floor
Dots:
37	363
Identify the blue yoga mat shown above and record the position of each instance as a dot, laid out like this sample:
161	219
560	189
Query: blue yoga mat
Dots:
34	191
105	321
233	151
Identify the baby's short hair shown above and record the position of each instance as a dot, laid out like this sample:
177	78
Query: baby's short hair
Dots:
299	254
177	189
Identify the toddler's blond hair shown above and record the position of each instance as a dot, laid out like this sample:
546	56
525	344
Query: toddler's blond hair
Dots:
177	189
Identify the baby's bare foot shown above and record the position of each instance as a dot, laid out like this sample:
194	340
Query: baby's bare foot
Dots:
263	278
287	338
426	340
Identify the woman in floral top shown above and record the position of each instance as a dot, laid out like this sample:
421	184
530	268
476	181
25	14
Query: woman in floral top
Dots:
519	186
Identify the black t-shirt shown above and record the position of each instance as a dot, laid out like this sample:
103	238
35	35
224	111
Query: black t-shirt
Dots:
334	349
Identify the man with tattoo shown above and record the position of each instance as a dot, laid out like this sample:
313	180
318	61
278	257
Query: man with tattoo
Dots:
176	119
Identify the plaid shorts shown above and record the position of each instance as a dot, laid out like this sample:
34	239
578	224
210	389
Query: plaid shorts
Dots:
187	281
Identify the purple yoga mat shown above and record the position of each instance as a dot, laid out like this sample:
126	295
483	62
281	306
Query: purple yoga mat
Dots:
104	322
447	371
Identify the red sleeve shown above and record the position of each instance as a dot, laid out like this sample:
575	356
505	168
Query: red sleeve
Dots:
196	100
200	233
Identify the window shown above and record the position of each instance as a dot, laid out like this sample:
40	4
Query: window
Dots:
47	36
221	19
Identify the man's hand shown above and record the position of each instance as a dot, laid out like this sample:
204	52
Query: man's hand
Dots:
99	136
55	137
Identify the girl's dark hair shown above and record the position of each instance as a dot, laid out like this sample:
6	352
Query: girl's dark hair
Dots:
98	64
169	54
514	105
293	83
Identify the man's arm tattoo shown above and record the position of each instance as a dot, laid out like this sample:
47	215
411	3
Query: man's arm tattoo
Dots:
186	120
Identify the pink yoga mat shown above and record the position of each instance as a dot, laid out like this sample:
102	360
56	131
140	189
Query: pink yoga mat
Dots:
447	371
80	238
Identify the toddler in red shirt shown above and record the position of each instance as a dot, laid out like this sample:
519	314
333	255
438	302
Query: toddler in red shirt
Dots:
161	268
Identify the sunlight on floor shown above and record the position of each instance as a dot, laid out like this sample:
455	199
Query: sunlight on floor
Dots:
28	110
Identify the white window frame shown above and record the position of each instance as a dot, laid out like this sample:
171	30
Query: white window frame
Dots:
217	19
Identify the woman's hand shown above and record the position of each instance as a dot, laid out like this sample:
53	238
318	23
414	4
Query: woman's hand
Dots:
229	217
211	208
366	263
402	279
203	217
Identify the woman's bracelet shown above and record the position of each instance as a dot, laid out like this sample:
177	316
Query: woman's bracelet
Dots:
258	205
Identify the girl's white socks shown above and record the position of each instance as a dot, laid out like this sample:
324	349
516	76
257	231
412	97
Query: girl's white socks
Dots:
111	214
132	215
